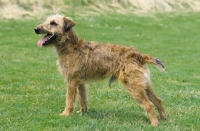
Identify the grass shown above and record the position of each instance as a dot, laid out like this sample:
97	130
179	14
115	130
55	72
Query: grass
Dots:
32	93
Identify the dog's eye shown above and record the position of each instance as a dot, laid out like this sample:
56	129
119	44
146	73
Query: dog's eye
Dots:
53	23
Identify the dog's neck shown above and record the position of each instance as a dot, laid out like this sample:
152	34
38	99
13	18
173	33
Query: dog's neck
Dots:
71	37
68	40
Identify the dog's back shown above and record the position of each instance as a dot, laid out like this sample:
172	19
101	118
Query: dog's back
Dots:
92	60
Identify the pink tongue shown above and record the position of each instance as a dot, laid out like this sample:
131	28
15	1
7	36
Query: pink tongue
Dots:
42	41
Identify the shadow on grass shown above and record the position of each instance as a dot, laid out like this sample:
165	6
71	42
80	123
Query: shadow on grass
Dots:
117	115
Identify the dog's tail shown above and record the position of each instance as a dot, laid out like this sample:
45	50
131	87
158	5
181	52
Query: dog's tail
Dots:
157	62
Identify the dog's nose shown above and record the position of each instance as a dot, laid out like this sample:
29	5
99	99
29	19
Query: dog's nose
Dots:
36	30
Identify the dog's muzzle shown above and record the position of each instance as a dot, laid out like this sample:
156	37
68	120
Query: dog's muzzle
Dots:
37	30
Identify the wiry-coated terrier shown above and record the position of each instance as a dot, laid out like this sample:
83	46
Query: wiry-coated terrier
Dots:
81	61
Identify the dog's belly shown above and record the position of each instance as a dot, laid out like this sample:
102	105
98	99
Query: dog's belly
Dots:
95	71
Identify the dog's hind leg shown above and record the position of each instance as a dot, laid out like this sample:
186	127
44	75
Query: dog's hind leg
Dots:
136	87
82	91
140	96
70	98
156	101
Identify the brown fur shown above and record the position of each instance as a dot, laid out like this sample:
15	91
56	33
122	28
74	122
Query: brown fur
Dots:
81	61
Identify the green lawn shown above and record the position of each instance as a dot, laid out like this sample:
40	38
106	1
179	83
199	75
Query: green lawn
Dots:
32	92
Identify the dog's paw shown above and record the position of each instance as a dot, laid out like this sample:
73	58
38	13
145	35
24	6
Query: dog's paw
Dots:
163	117
80	111
67	112
155	123
64	113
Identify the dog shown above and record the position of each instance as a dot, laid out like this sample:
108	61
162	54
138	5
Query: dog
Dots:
82	61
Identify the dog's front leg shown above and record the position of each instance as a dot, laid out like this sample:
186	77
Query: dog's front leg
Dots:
82	93
70	98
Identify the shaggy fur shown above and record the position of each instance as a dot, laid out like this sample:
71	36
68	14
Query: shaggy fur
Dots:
81	61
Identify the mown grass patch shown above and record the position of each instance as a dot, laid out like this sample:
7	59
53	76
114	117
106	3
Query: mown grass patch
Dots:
32	93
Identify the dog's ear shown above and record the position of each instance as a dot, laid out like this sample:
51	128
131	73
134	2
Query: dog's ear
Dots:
68	24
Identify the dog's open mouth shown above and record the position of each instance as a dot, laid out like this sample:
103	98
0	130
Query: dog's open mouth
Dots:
46	40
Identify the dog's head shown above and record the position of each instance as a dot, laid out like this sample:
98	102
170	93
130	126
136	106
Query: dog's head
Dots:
54	28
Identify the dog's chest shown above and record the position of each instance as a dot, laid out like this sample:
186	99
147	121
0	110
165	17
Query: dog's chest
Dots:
62	68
